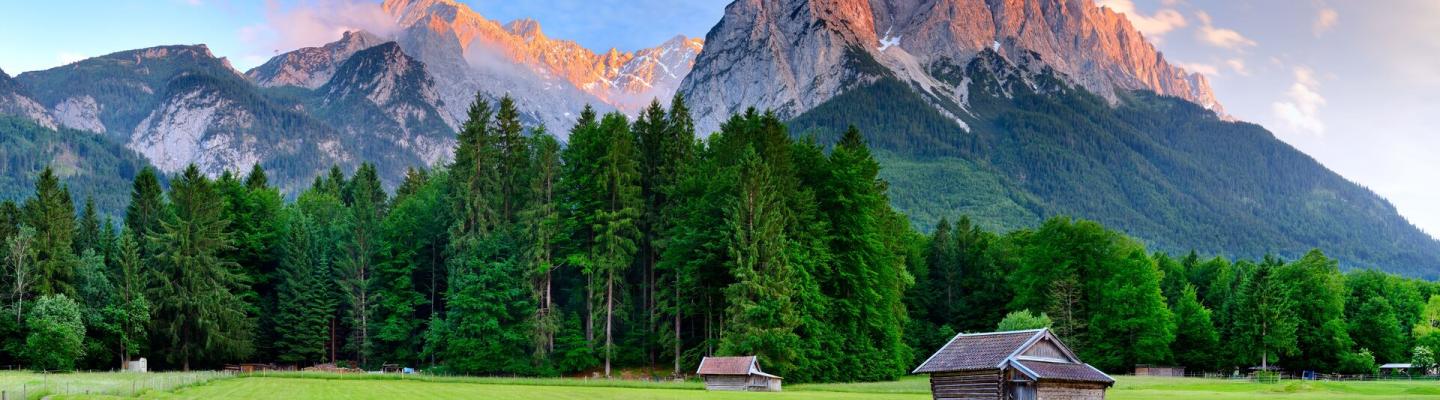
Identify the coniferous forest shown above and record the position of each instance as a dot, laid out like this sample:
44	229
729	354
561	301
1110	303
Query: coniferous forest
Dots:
637	246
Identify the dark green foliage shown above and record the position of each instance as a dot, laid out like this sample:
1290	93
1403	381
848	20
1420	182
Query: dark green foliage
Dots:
130	314
303	290
51	213
487	297
761	312
200	314
147	206
868	282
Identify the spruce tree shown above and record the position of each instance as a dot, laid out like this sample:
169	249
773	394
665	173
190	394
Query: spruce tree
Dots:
511	148
358	254
52	214
132	312
87	230
147	207
542	230
867	285
617	234
487	297
761	315
198	311
302	322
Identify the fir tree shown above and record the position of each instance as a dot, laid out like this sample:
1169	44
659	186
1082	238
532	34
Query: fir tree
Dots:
131	314
198	312
302	324
761	314
542	227
52	215
147	207
357	262
617	235
87	230
867	285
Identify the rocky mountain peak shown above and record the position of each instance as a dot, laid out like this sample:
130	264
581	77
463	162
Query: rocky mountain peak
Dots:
526	28
791	55
552	77
311	67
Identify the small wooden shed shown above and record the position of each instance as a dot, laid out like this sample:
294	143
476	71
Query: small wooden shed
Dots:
1159	370
1016	365
736	373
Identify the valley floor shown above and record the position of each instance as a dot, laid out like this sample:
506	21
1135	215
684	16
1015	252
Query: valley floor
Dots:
323	386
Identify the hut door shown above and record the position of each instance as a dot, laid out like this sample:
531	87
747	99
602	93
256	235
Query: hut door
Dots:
1022	391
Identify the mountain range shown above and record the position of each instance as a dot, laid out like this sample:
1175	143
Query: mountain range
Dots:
1010	111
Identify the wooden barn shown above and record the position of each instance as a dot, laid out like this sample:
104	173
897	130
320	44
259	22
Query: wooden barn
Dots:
1017	365
736	373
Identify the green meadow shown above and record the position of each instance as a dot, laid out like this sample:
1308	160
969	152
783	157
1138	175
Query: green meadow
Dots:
333	386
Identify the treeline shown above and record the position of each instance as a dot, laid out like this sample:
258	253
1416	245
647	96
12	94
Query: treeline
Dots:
639	247
1118	305
636	245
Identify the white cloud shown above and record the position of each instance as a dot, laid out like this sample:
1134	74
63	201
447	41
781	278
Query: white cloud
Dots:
1238	65
1220	37
1153	26
1326	19
1300	110
313	23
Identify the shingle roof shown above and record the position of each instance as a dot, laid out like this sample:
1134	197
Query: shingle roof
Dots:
977	351
1068	372
726	365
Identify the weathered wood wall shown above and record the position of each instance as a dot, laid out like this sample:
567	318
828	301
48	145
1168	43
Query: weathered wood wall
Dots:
972	385
1069	391
726	382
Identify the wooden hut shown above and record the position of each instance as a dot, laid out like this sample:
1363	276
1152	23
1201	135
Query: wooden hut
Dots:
1159	370
1017	365
736	373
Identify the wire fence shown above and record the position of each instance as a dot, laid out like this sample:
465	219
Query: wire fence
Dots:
26	385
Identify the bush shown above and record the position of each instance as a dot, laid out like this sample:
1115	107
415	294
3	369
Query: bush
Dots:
56	336
1361	362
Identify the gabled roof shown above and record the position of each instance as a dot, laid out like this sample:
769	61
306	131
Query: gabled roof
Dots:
978	351
731	366
999	350
1064	372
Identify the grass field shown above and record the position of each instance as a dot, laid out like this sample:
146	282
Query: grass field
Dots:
328	386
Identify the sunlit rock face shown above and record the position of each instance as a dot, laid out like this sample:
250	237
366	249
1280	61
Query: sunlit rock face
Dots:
552	79
790	55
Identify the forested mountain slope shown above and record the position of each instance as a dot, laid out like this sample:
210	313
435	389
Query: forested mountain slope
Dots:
91	165
1162	169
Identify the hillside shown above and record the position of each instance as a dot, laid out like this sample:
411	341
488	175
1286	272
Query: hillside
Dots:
1161	169
92	165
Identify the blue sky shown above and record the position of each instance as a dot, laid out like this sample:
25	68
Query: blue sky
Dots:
1354	83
